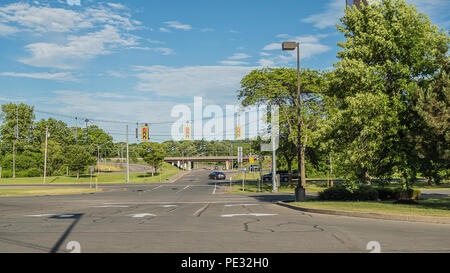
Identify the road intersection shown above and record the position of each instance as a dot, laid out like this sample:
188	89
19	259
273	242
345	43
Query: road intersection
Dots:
196	214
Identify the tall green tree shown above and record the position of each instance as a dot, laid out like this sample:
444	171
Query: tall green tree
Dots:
278	86
390	49
78	158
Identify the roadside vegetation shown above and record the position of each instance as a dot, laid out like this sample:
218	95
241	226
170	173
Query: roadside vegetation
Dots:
10	192
426	207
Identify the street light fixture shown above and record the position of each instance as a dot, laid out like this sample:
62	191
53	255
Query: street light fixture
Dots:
300	191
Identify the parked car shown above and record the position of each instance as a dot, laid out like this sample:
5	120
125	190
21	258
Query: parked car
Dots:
284	176
217	176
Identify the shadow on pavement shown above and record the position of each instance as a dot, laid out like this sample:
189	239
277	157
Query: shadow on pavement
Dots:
61	240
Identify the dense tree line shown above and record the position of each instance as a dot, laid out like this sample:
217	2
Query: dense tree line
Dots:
382	111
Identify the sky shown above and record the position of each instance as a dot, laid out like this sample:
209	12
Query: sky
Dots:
136	60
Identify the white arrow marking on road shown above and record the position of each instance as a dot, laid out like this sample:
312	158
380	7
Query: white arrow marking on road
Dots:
40	215
248	214
141	215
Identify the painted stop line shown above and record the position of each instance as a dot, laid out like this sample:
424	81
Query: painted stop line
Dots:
248	214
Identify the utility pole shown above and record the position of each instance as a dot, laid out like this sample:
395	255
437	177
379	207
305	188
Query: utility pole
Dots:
98	160
45	153
14	159
128	162
16	133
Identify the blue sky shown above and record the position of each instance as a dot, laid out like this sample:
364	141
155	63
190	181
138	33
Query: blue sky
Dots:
135	60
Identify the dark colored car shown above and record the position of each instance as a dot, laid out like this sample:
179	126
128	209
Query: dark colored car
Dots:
217	175
284	176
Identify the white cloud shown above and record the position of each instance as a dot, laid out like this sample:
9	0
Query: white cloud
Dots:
227	62
329	17
310	45
74	2
76	49
163	29
62	76
105	105
116	5
155	41
239	56
162	50
178	25
6	30
273	46
215	82
42	19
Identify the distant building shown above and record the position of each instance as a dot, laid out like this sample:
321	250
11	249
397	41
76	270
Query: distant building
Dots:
357	3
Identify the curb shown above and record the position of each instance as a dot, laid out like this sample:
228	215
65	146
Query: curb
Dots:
372	215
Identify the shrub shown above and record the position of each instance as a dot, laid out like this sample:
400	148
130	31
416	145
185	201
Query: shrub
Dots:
342	193
337	192
410	194
387	194
32	172
365	193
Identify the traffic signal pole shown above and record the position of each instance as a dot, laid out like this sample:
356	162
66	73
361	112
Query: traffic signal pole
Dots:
128	162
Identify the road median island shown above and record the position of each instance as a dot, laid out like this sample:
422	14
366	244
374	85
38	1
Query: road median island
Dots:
309	207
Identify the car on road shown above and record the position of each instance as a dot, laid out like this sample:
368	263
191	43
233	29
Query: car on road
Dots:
284	176
217	176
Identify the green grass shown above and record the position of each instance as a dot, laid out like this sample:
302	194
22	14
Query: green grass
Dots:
267	188
423	185
44	191
426	207
103	178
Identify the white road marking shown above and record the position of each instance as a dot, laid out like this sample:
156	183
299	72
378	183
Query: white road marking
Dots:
112	206
238	205
156	187
215	187
168	206
183	189
41	215
47	215
141	215
248	214
181	202
65	215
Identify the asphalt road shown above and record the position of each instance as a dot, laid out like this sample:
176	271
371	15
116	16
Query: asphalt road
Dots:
196	215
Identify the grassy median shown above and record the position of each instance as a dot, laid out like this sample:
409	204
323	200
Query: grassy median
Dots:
44	191
103	178
426	207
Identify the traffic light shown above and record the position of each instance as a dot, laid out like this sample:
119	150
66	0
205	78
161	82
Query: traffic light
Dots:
149	149
145	133
173	147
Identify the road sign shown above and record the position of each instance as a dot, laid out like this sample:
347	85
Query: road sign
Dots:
144	133
252	160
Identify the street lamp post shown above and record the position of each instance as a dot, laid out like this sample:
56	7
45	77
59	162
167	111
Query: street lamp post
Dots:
300	191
